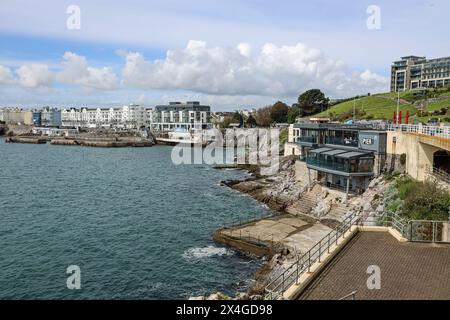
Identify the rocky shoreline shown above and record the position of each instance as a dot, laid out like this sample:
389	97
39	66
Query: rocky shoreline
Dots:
277	192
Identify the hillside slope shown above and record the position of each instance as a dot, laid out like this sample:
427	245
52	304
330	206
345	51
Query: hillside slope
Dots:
382	106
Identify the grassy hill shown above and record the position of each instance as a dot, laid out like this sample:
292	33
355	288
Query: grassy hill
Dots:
382	106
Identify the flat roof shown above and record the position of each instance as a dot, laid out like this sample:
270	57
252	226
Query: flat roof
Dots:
353	154
334	152
320	150
341	153
409	270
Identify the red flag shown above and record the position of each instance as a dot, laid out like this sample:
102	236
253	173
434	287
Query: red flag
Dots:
395	117
407	117
399	117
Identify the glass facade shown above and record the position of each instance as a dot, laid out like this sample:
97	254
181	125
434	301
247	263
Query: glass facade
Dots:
335	163
342	138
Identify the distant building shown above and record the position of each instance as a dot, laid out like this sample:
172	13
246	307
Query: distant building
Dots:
413	72
51	117
189	115
37	118
16	116
129	117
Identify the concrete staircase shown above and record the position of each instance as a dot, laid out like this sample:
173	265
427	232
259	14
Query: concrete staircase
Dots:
337	213
305	204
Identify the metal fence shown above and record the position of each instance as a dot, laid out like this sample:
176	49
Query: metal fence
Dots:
279	284
439	174
418	230
443	132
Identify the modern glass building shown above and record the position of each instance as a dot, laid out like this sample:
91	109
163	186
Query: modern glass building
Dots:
344	157
413	72
177	115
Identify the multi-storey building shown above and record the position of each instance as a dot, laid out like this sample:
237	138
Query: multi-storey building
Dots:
189	115
132	116
342	156
50	117
16	116
413	72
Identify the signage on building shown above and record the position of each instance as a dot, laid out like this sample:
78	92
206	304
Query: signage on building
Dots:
367	141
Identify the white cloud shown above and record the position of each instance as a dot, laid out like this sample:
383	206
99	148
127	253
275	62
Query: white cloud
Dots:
74	70
6	76
34	75
77	71
284	71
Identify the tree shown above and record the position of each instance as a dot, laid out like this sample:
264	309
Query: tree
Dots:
263	118
293	113
312	101
235	118
251	121
279	112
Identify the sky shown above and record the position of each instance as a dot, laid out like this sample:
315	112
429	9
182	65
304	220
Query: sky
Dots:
230	54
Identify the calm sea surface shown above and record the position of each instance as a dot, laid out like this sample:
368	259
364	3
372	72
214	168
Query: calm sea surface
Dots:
138	226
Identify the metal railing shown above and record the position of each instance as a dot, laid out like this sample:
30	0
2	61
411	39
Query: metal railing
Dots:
439	174
342	141
432	231
308	139
243	221
443	132
279	284
343	167
429	231
350	296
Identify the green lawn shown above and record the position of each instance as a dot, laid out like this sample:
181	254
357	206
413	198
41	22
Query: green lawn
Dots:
379	106
382	106
438	105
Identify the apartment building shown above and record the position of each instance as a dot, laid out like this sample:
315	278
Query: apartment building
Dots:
189	115
129	117
16	116
50	117
414	72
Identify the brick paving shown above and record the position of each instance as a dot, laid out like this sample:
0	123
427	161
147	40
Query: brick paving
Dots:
408	270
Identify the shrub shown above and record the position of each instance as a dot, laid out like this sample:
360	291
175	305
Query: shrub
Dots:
427	201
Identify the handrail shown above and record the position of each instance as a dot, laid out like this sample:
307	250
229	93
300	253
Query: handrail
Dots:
350	295
443	132
409	228
278	285
439	173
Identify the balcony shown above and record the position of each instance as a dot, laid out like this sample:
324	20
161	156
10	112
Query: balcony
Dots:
328	165
346	166
342	141
307	139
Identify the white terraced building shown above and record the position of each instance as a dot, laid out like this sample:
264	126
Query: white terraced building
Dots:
132	116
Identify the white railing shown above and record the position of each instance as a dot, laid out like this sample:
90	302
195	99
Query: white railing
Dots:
443	131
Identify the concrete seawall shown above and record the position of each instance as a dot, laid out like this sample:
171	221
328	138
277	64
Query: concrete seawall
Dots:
29	140
91	142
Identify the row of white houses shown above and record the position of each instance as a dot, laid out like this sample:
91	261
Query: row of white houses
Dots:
186	116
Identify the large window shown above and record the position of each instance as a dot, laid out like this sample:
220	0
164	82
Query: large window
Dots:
343	138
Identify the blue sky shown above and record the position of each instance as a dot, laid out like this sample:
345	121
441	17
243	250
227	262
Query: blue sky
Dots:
230	54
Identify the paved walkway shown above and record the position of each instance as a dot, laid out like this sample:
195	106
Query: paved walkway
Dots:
408	270
295	233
